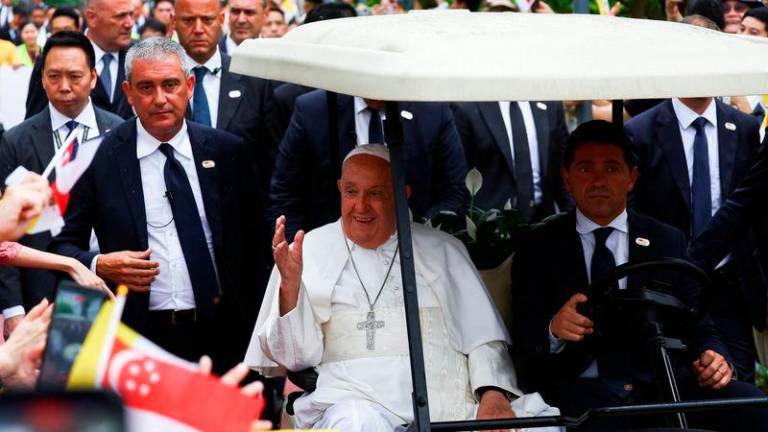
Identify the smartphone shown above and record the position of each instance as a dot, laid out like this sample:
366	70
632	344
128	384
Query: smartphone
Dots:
75	309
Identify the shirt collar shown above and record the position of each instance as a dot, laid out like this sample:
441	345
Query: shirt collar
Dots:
585	225
99	53
686	116
360	105
87	117
146	144
213	64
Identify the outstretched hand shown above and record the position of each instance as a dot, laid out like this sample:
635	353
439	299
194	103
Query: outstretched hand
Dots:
290	263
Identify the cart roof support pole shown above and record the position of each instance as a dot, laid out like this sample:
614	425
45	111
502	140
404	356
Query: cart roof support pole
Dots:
394	139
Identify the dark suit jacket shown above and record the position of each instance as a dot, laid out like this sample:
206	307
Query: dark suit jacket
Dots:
5	33
30	144
280	110
304	179
549	268
109	199
743	212
663	171
487	148
243	102
37	100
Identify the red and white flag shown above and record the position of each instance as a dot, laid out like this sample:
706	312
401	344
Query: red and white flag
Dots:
161	392
70	162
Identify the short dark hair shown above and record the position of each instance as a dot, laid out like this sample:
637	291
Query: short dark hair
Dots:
157	2
21	11
67	12
598	132
153	24
273	7
758	13
327	11
712	9
70	39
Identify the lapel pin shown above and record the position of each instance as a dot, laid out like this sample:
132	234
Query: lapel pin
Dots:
541	106
235	94
209	164
730	126
406	115
642	242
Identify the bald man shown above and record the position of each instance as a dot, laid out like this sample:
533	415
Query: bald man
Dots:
224	100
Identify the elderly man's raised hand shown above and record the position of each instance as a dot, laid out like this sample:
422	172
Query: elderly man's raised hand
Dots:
568	324
290	263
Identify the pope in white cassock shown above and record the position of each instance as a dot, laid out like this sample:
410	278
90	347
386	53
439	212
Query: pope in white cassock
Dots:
334	302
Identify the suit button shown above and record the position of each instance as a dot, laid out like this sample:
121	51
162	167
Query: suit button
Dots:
216	300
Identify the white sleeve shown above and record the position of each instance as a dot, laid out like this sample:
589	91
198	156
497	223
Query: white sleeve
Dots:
491	365
556	345
294	340
93	263
13	311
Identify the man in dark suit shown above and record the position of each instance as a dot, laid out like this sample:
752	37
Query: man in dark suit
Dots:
691	154
245	20
318	138
225	100
33	143
12	32
109	28
555	337
517	147
172	205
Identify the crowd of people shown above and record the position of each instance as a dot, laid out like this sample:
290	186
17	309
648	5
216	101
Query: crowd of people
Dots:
253	220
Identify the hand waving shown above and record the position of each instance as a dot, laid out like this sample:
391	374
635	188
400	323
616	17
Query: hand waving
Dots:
289	262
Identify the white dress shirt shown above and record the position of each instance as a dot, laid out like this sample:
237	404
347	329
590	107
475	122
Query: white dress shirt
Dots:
113	66
211	83
86	119
685	117
231	45
533	141
363	121
6	15
618	243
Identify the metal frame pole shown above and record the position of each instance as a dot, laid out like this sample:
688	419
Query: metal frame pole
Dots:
394	138
617	112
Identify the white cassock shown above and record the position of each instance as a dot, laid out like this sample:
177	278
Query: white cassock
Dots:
363	389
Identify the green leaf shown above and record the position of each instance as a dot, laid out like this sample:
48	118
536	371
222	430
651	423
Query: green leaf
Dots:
474	181
471	229
508	204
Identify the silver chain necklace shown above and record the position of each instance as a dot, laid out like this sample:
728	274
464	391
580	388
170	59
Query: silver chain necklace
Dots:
370	324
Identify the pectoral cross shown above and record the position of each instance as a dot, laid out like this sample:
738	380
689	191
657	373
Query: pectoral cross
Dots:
370	325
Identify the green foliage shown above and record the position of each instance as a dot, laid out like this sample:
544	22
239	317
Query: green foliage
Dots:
761	378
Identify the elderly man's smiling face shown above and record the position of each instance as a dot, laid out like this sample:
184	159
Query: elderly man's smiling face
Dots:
367	200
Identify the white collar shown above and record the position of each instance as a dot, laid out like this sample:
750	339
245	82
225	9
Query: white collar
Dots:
213	64
360	105
585	225
686	116
146	144
99	53
387	246
87	117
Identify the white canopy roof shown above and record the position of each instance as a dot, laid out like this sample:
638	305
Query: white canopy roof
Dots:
462	56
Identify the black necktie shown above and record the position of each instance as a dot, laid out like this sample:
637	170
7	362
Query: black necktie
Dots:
701	192
191	234
375	131
602	259
523	168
